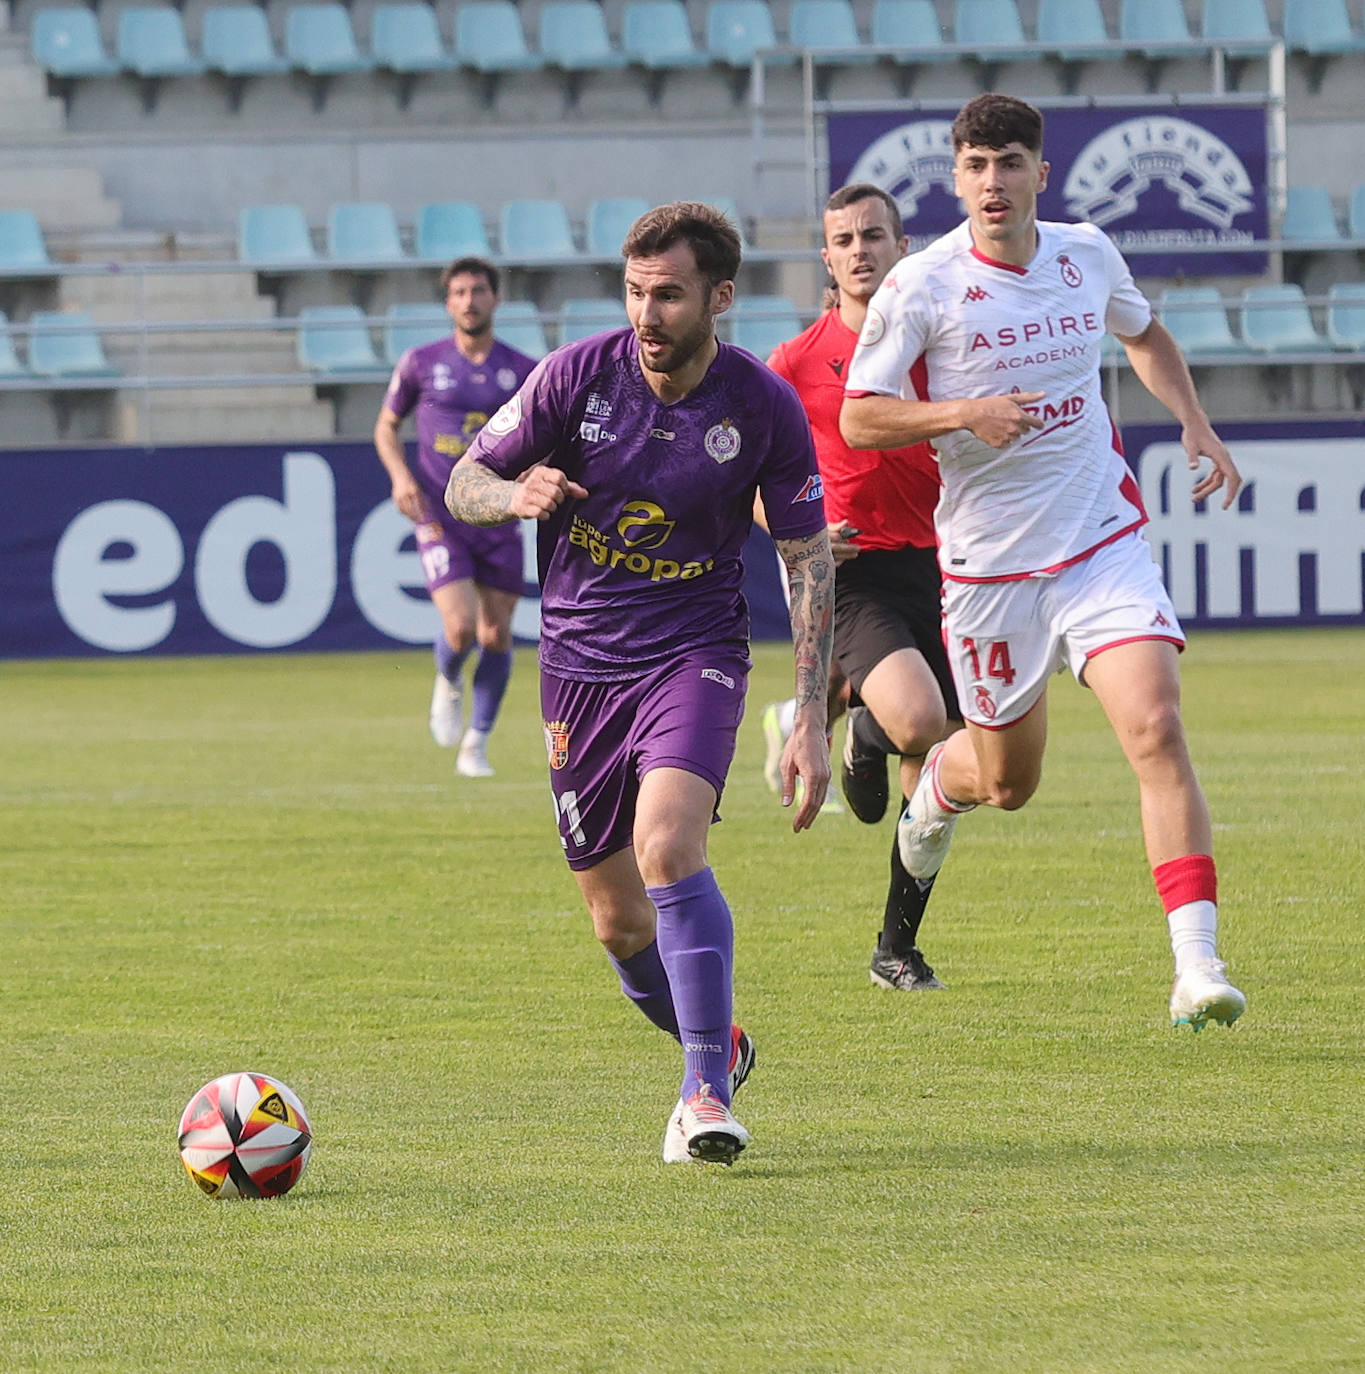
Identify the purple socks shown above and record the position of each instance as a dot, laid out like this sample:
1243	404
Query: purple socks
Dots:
490	683
644	981
696	950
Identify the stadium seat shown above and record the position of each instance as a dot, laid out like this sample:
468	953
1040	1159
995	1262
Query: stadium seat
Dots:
817	24
489	40
319	41
1240	27
335	338
535	229
573	37
1346	315
760	323
1355	216
1275	319
363	231
405	40
67	43
1155	21
411	325
609	221
236	42
518	325
1198	320
10	366
580	318
911	25
151	42
657	36
274	234
1074	30
735	31
991	23
450	229
64	344
1309	216
1320	27
21	241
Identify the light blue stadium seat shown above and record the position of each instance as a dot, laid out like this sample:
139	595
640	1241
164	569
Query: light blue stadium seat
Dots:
1309	216
64	344
405	38
985	23
736	29
1355	216
363	231
1198	320
818	24
1276	319
656	35
1155	21
151	42
67	43
573	37
535	229
1346	315
582	317
1075	30
319	40
1240	27
489	38
412	325
450	229
236	42
1320	27
335	338
21	240
609	220
274	234
909	25
760	323
518	325
10	366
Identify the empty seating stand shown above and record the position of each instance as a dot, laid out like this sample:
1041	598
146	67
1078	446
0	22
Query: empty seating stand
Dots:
334	341
151	46
536	230
994	28
320	42
609	220
911	31
1309	216
406	41
829	31
1198	321
64	345
450	229
581	317
412	325
1074	32
23	250
66	44
735	31
236	44
1276	319
1346	315
489	40
760	323
656	36
518	325
275	236
364	233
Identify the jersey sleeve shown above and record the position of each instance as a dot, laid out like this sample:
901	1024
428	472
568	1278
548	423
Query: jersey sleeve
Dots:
894	335
779	362
526	429
1129	312
404	386
789	482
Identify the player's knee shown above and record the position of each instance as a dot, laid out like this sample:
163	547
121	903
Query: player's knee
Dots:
1009	794
459	636
915	732
666	858
1158	734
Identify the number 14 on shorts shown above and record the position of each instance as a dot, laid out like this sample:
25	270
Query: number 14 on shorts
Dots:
989	673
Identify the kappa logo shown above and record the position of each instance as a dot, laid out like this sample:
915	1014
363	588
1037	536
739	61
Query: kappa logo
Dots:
557	742
977	293
1160	619
908	161
1071	274
722	442
1113	170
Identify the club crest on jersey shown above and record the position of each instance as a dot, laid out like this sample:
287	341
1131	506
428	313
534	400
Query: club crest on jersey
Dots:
440	377
1071	274
722	442
507	417
813	490
985	703
977	293
507	379
1114	169
557	742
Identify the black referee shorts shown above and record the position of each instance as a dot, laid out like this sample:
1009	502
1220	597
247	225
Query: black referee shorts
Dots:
885	600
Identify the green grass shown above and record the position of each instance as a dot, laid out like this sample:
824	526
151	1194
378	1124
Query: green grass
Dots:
263	862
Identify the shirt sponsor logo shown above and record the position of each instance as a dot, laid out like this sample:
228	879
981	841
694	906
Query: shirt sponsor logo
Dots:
722	442
557	742
601	549
507	417
1058	327
598	406
1071	274
813	490
715	675
591	432
643	525
1113	170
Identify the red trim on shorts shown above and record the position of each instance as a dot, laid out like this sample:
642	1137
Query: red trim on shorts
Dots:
1003	266
1056	567
1182	881
1138	639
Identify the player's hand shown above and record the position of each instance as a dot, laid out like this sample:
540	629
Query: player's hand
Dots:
1000	420
841	542
407	496
1200	441
806	756
540	491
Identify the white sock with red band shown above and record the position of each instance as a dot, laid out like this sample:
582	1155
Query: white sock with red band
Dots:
1188	888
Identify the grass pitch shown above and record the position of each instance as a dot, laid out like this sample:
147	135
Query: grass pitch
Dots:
264	863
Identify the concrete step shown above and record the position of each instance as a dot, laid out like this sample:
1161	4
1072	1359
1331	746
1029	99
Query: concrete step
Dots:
63	198
257	414
130	295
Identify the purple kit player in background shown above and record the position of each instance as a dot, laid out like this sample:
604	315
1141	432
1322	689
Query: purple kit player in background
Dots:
640	451
474	575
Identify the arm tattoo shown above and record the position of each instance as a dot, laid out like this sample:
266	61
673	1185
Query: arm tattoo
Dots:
478	496
810	574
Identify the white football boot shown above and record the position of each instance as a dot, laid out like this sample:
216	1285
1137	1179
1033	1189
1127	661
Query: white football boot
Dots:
713	1134
1201	993
472	760
447	711
743	1057
925	829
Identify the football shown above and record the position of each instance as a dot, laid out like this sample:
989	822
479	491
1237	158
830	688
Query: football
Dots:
245	1135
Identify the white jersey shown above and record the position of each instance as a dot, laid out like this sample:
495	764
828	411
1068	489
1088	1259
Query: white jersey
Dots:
949	323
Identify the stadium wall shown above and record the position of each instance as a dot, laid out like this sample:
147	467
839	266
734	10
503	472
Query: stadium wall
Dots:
271	547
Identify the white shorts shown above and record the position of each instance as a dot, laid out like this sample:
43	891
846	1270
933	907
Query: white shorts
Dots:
1005	639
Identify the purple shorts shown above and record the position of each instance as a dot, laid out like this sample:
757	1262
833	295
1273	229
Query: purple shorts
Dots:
603	737
452	551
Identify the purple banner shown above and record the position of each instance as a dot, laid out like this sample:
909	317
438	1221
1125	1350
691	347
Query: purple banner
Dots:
1168	180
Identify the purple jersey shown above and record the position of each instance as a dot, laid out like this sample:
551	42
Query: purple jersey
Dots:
649	563
453	398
